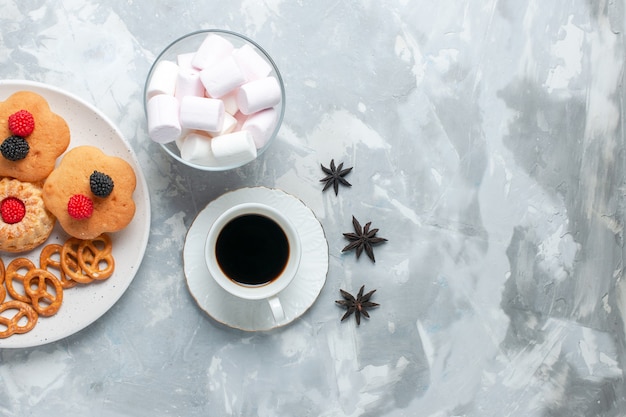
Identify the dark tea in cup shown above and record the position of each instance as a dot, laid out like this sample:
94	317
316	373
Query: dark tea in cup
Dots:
253	252
252	249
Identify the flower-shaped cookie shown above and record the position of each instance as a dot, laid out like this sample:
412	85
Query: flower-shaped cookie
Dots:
91	193
30	155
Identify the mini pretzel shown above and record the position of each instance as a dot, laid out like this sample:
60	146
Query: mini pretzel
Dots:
3	291
69	261
79	261
12	324
43	301
47	261
12	273
93	254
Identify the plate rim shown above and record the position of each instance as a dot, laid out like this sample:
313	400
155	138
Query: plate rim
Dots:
13	342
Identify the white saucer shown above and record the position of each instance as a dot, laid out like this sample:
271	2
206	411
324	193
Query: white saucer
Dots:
256	315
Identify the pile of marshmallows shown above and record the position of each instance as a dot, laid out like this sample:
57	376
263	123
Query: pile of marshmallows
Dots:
219	103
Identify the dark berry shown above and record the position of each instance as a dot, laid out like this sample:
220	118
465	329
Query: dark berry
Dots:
14	148
101	184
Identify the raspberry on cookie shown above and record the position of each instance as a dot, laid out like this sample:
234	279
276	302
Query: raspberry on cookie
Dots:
22	123
91	193
32	137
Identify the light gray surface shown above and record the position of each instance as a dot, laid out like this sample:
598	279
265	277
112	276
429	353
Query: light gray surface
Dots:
488	147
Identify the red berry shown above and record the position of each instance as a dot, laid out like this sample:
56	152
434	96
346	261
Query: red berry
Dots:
80	206
21	123
12	210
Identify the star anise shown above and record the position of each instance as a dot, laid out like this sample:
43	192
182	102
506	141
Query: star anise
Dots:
363	239
358	305
335	176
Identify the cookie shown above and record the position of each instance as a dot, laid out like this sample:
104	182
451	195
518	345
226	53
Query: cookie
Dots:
25	223
49	138
91	193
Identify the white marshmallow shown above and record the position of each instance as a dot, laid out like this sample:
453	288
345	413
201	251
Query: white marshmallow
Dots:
258	95
261	125
163	122
188	84
234	148
201	113
223	77
241	118
213	49
180	140
196	148
253	65
229	125
163	79
230	102
184	60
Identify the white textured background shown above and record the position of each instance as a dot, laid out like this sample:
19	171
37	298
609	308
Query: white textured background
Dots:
488	146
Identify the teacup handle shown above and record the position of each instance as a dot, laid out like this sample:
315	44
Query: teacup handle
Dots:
277	308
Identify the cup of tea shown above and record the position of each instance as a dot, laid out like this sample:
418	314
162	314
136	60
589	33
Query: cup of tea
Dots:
253	252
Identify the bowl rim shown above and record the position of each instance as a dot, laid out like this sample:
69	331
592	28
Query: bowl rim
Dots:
266	55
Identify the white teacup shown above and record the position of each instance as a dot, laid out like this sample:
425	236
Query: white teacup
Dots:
253	252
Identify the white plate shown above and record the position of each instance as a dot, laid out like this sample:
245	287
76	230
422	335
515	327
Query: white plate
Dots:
256	315
82	305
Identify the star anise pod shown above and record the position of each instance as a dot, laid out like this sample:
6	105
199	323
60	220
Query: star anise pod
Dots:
358	305
363	239
335	176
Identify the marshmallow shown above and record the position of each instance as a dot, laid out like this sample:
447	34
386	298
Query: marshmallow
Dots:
196	148
258	95
163	79
230	102
221	78
188	84
212	50
163	122
181	139
229	125
234	148
252	64
261	125
201	113
241	118
184	60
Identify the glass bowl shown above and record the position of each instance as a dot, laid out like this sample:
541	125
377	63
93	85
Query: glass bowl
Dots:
188	45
